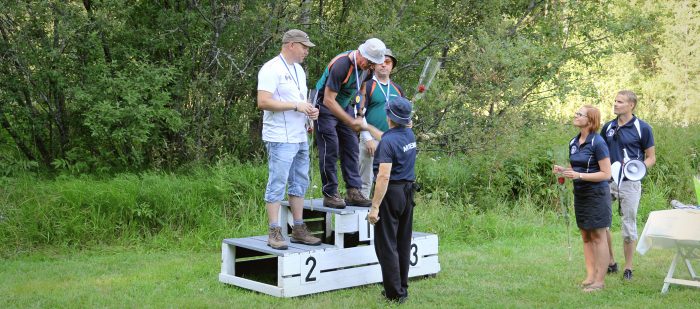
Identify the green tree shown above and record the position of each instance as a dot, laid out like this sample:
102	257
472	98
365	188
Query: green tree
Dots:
112	85
677	86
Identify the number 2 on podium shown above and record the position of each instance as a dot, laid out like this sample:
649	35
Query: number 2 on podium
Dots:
309	270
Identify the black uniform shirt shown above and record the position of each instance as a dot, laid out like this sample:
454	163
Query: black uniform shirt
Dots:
398	147
584	158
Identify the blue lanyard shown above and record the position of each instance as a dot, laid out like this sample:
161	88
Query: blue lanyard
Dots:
357	80
387	94
357	76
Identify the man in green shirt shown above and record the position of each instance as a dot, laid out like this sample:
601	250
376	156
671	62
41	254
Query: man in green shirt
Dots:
378	91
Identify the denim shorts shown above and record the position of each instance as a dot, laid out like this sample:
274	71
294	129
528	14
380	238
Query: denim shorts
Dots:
288	165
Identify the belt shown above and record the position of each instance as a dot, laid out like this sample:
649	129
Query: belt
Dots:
414	185
400	182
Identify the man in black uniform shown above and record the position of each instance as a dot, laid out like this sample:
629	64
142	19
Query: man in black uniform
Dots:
394	168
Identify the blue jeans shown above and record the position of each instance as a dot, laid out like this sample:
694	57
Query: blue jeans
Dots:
288	164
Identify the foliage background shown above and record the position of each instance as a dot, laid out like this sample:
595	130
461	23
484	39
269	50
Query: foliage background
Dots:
114	85
129	120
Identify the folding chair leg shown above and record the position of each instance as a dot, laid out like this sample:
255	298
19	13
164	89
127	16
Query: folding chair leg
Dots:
691	270
670	273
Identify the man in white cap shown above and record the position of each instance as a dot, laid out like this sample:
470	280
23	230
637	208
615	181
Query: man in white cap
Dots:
282	96
339	95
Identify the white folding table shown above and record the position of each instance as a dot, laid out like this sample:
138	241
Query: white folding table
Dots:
677	229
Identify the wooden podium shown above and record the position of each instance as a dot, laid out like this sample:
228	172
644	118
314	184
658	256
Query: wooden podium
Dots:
345	259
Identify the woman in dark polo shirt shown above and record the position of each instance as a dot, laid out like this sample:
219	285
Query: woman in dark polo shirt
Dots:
392	204
590	172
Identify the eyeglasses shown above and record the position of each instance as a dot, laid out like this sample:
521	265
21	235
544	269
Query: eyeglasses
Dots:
577	114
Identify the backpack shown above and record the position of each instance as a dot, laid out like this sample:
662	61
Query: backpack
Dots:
374	85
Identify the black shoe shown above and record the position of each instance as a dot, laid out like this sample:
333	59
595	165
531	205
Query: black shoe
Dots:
612	268
627	275
399	300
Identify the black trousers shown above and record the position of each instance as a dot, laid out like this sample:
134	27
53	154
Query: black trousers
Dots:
392	238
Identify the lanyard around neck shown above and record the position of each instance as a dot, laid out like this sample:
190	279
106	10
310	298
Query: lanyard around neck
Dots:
388	88
296	81
357	76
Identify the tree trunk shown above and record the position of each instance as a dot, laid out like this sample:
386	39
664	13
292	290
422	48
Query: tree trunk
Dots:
103	39
16	138
59	99
305	16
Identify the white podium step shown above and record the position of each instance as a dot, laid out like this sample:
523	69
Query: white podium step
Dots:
301	270
345	259
336	225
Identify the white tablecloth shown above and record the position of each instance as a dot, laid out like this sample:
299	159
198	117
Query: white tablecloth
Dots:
667	228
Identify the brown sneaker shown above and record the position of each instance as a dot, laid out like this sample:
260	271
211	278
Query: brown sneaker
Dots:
355	198
333	201
276	240
301	235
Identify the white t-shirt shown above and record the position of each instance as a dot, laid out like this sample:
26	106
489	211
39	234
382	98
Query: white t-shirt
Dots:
287	126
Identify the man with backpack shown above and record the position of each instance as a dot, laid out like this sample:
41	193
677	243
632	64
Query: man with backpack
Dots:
339	95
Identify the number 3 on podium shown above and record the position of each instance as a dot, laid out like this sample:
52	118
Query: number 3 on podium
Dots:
415	259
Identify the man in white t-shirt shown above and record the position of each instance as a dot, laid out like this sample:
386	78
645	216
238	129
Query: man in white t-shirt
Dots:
282	96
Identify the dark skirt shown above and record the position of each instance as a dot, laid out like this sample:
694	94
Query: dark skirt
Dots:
593	207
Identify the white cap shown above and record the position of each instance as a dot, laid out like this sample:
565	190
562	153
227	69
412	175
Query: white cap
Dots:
373	49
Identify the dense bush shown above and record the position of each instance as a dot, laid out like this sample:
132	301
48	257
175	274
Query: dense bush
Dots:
199	206
85	211
521	169
92	89
113	85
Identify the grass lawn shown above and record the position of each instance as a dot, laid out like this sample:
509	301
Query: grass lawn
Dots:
529	269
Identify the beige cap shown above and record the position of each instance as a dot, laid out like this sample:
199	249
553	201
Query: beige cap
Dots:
390	54
297	36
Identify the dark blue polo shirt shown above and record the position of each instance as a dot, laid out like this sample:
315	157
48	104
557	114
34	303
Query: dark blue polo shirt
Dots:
398	147
584	158
635	136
